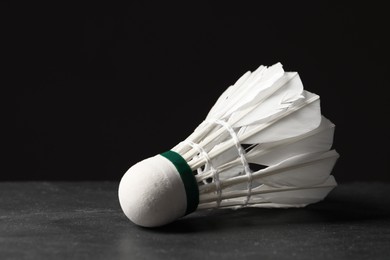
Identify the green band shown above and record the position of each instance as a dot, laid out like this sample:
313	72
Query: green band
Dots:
188	178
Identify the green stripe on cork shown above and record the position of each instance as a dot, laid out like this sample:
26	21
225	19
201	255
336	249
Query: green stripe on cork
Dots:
188	178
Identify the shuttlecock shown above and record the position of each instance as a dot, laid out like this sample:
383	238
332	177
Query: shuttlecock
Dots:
264	143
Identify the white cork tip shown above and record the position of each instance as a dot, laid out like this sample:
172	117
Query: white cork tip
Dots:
151	193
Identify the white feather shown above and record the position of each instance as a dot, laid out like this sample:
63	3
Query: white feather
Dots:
317	140
301	117
266	196
302	170
286	197
289	89
253	88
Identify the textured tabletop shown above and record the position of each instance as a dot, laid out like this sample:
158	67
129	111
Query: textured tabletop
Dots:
83	220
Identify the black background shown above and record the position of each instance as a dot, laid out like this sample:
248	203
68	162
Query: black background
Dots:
92	89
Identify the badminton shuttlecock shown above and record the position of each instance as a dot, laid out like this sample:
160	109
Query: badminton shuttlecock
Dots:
264	143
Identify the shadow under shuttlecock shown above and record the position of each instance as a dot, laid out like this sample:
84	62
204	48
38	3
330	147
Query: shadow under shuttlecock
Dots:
346	203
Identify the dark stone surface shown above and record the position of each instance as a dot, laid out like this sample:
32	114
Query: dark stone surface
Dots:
83	220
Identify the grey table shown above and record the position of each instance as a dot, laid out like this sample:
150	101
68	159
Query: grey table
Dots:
83	220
